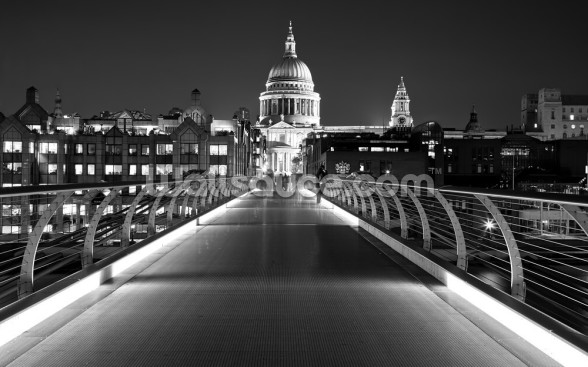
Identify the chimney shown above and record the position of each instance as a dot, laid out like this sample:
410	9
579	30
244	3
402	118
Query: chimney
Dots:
32	95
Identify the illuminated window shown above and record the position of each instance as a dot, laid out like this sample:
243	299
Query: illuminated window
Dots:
132	149
218	169
144	149
79	169
377	149
189	148
48	148
12	147
145	169
573	126
79	149
91	169
132	169
113	169
571	117
363	149
164	169
165	149
52	169
220	149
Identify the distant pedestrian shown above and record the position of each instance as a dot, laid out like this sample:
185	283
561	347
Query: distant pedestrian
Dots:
286	181
320	174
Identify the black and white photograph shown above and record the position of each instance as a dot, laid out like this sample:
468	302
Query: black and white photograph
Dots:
294	183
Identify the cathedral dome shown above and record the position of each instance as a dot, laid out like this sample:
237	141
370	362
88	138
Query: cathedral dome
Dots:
290	69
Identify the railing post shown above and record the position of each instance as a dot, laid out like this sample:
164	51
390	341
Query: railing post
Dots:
423	216
88	253
153	210
385	210
577	214
126	230
517	279
25	284
462	262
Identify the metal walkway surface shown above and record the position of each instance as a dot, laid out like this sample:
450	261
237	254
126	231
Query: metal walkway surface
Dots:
272	282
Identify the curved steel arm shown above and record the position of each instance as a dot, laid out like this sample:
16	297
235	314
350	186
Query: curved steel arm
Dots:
517	279
579	216
459	238
424	219
126	230
88	254
26	280
153	210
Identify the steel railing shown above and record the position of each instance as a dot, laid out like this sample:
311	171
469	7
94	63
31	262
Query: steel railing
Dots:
531	246
50	232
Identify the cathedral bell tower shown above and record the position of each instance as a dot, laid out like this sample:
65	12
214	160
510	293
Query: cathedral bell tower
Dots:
401	108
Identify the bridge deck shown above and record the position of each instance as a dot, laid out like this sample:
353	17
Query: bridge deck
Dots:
272	282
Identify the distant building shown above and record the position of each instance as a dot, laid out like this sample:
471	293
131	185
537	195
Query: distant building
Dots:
401	117
289	111
128	145
551	115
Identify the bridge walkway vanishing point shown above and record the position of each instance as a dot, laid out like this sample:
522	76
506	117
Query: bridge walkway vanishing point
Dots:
272	282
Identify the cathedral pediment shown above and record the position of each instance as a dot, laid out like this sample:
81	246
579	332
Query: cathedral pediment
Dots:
281	125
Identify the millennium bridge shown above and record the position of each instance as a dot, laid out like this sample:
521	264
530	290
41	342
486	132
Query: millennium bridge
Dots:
245	271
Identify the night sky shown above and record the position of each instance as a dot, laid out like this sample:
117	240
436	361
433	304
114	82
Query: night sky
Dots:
111	55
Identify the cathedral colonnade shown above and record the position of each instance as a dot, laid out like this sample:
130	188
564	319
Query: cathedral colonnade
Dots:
289	106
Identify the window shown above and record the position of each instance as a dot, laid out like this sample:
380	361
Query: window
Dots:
91	169
79	169
144	149
189	148
132	190
113	169
449	168
392	149
113	149
491	168
145	169
479	168
132	149
165	149
573	126
377	149
553	115
12	167
363	149
405	150
553	126
12	147
91	149
79	149
52	169
164	169
361	166
48	148
65	148
220	149
132	169
218	169
571	117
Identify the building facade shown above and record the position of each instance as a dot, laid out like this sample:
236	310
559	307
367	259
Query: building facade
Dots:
551	115
125	146
289	111
401	117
